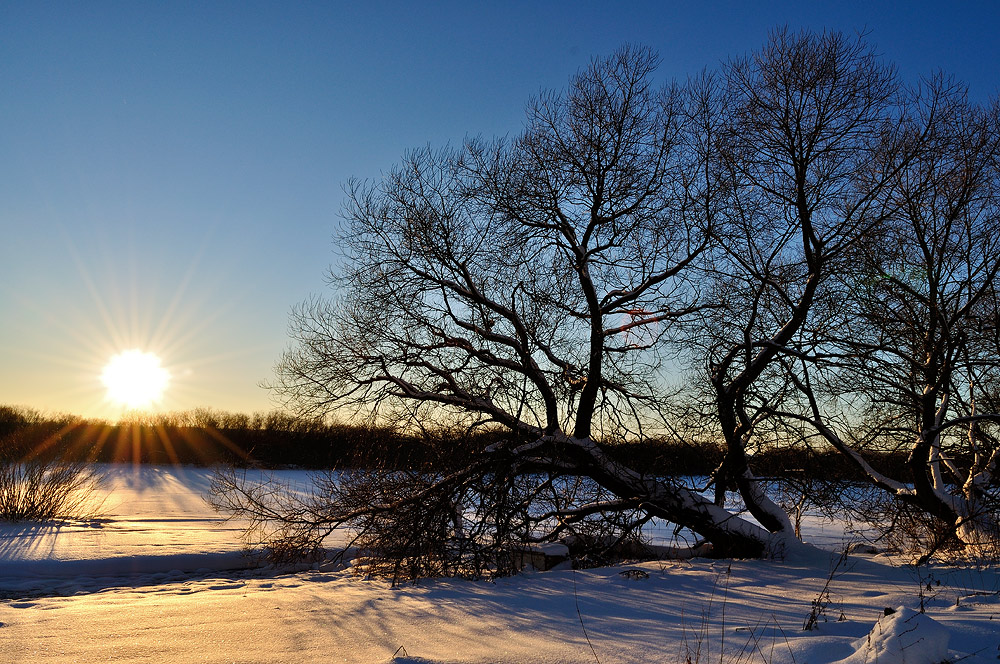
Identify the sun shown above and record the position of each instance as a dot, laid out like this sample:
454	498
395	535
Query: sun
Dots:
135	379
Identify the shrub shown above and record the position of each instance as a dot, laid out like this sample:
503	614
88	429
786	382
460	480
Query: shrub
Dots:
39	490
40	485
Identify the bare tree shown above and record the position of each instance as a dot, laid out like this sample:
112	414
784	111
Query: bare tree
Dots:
527	287
816	241
917	353
804	119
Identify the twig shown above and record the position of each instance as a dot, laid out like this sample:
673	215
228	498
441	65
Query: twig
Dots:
576	598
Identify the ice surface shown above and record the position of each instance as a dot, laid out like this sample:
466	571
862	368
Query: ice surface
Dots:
147	583
149	520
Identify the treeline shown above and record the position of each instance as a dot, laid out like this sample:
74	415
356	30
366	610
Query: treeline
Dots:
208	437
197	437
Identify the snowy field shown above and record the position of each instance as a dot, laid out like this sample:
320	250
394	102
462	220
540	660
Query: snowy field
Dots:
157	578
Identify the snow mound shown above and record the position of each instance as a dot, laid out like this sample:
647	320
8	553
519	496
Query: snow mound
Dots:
903	637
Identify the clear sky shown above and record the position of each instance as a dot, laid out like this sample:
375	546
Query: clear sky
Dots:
171	172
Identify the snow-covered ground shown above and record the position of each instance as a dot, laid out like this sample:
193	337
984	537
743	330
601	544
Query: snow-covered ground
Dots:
157	578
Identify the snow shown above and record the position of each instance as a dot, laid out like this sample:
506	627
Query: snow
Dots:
902	637
150	521
157	578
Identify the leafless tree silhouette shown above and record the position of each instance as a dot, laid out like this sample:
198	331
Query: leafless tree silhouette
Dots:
767	224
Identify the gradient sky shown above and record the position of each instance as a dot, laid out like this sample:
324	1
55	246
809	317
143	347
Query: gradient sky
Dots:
171	172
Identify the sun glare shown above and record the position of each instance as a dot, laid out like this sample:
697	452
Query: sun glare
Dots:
135	379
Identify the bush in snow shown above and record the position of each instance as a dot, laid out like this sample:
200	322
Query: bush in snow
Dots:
42	486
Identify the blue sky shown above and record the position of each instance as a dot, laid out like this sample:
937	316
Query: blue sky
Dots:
171	172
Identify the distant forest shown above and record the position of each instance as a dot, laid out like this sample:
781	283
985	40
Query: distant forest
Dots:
275	440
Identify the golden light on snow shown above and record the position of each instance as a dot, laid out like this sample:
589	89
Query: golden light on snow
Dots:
135	379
